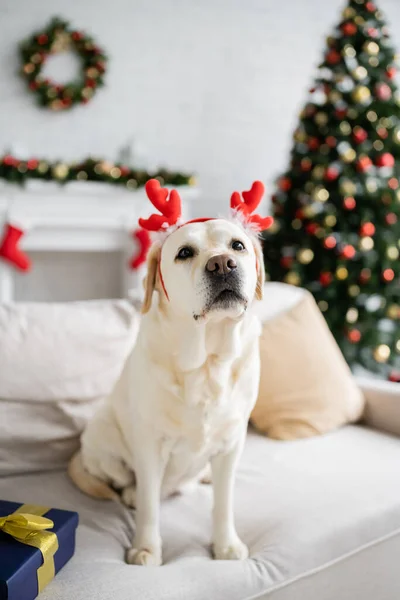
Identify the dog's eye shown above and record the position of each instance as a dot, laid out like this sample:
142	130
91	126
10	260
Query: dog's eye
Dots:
238	246
185	253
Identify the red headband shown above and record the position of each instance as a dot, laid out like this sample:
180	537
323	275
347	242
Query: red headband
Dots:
171	210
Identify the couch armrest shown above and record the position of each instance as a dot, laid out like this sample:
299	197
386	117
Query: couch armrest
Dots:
382	404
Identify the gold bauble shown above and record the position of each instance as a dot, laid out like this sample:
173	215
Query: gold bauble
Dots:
359	20
334	96
92	72
372	116
274	228
361	94
360	73
392	253
352	315
300	135
62	42
321	118
352	113
115	172
309	212
320	194
323	305
393	311
371	185
305	256
366	243
378	145
87	93
348	13
51	92
192	180
345	127
349	155
98	169
22	168
60	171
292	278
36	58
81	176
318	172
348	187
371	48
56	105
354	290
28	68
131	184
342	273
349	51
43	167
331	41
296	224
382	353
330	220
373	61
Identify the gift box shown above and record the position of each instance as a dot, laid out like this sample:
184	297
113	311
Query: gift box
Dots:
35	543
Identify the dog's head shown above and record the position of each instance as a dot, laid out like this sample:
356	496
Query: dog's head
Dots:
206	268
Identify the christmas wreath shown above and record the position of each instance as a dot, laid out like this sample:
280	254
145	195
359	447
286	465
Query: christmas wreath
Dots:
59	36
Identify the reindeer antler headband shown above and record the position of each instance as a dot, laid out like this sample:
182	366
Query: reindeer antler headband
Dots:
170	208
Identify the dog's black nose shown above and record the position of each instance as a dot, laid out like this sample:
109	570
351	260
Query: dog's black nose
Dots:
223	264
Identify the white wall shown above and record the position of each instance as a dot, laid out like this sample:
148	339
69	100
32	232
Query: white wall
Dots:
212	86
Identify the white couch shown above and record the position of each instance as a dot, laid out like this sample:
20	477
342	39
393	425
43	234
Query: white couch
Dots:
321	516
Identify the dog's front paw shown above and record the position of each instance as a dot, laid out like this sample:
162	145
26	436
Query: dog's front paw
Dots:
231	550
128	496
144	556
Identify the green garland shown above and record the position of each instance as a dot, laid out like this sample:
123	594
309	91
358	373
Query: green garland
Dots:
17	171
59	36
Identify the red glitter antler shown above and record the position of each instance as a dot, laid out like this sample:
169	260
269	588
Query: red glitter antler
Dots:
248	202
170	208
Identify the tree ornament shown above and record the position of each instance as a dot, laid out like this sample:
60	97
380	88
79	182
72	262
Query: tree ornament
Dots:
392	253
330	220
284	184
367	229
393	183
372	116
370	6
383	91
305	164
352	315
59	37
388	275
342	273
354	290
313	143
361	94
359	134
382	353
331	173
349	155
286	262
9	247
365	275
331	141
325	278
363	164
391	72
371	48
391	218
354	336
385	160
349	203
348	252
366	243
349	28
393	311
330	242
333	57
293	278
345	127
320	194
305	256
360	73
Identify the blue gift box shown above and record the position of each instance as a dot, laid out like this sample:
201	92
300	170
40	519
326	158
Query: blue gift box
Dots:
19	562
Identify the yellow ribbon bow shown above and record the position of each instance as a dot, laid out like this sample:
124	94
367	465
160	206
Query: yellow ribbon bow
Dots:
27	525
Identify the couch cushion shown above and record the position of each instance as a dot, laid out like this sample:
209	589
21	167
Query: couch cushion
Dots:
56	363
320	515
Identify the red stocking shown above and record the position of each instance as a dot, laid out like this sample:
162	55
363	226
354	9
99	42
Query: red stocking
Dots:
143	239
9	250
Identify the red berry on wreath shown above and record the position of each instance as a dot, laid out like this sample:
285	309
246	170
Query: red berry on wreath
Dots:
32	164
91	83
76	36
33	85
42	39
10	161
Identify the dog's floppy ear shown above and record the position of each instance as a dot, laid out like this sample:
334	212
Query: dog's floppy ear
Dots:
260	268
153	259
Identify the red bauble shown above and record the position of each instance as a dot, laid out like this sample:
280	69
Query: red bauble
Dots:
331	173
391	72
331	141
286	262
32	164
359	135
349	28
285	184
349	203
33	85
382	132
340	113
354	336
383	91
333	57
312	228
299	214
325	278
363	164
388	275
313	143
385	160
76	36
367	229
370	6
91	83
391	218
330	242
348	252
372	32
305	164
365	275
393	183
42	39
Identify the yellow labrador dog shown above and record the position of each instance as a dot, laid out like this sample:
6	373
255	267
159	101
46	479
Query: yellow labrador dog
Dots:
185	395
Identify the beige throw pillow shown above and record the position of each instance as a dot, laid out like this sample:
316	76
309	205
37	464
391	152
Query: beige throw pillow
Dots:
306	387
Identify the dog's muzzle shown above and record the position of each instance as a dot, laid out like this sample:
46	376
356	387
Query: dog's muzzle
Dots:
224	282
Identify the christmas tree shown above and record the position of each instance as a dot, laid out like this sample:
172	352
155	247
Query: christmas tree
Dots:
337	207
